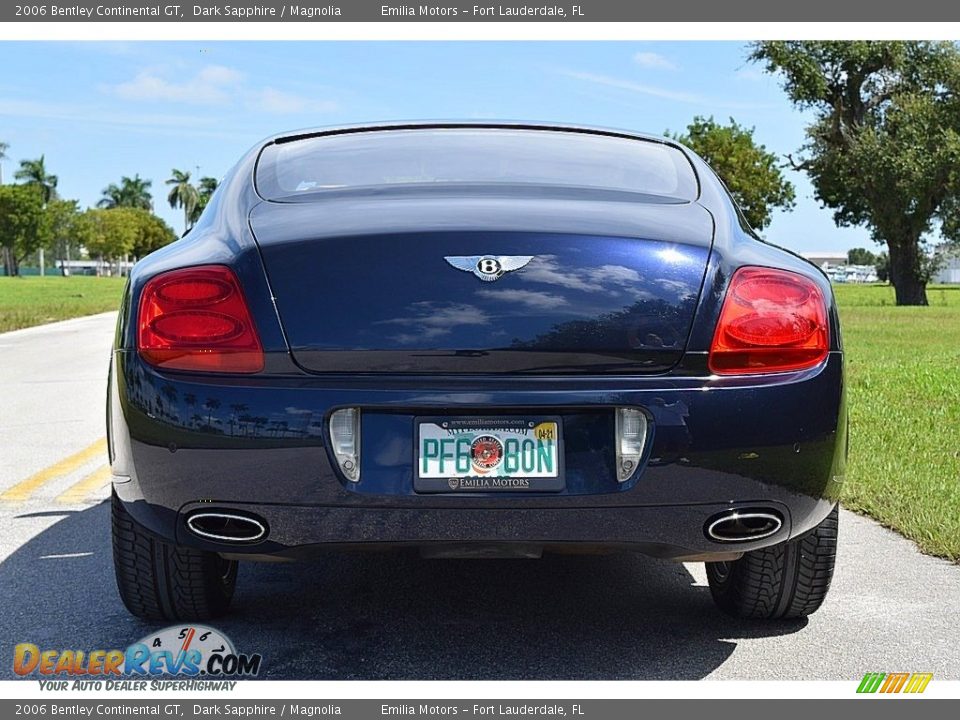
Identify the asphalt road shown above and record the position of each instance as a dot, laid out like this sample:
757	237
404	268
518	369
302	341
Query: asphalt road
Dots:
396	616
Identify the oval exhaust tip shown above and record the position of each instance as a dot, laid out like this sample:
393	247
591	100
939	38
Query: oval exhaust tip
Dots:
743	526
226	527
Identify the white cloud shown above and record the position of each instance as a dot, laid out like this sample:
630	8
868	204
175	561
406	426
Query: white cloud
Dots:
530	299
433	320
278	102
636	87
97	115
654	61
660	92
212	85
216	85
750	73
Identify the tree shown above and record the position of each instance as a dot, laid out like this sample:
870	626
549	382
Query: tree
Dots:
860	256
58	229
750	172
107	234
34	172
883	150
882	266
205	189
3	156
130	193
21	213
152	232
182	194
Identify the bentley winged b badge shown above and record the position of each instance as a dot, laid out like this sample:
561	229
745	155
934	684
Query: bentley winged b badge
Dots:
488	267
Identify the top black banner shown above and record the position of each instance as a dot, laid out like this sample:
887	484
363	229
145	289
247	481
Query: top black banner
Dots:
485	11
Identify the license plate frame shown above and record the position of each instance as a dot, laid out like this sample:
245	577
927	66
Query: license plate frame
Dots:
503	428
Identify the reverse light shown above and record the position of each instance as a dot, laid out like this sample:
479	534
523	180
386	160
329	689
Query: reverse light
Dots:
345	441
631	438
771	321
198	319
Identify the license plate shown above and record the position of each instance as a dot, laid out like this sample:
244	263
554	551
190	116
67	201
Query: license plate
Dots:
488	455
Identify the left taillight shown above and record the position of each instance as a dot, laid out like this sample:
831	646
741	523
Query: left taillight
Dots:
198	319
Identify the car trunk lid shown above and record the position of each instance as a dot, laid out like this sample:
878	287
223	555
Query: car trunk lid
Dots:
362	284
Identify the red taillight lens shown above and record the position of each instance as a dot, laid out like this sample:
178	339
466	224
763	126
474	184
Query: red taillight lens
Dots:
197	319
772	321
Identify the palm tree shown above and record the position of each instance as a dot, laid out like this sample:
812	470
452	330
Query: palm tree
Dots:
237	409
131	192
34	172
205	189
183	195
211	404
3	156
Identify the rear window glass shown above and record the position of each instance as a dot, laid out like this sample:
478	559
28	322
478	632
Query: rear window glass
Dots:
471	156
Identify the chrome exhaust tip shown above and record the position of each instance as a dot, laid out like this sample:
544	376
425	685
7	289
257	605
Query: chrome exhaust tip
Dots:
743	525
226	527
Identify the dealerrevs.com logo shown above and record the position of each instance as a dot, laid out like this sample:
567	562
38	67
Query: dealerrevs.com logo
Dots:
192	651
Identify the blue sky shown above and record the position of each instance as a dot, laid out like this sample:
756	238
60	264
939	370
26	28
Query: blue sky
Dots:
99	110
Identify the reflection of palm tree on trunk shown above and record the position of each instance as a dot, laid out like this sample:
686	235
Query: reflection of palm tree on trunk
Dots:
245	422
170	393
211	404
235	417
191	400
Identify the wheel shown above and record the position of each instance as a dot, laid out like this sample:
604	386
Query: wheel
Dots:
788	580
161	581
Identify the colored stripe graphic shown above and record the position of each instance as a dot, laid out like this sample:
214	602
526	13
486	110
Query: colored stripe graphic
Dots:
894	682
918	682
871	682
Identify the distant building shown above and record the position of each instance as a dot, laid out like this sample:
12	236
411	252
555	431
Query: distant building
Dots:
949	271
822	259
834	264
852	274
80	267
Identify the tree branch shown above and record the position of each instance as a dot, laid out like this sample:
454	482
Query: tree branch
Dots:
793	164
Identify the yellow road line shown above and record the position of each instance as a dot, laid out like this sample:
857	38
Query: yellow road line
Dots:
80	490
24	489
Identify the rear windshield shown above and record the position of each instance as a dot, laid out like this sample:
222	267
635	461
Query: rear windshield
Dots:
485	156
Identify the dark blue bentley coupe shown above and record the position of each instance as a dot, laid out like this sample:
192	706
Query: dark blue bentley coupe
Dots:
478	340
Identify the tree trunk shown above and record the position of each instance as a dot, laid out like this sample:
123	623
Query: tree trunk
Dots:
906	272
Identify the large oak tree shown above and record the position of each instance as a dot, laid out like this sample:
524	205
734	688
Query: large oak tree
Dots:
883	150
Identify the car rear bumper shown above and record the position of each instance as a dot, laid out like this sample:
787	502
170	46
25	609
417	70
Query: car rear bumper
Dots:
183	444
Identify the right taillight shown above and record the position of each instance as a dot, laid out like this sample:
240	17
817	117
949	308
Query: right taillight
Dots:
771	321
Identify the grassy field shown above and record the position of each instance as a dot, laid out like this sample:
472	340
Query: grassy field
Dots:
28	301
903	370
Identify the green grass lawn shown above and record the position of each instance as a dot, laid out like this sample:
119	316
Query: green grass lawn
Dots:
903	371
27	301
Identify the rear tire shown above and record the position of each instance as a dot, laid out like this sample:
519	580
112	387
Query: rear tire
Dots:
789	580
161	581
